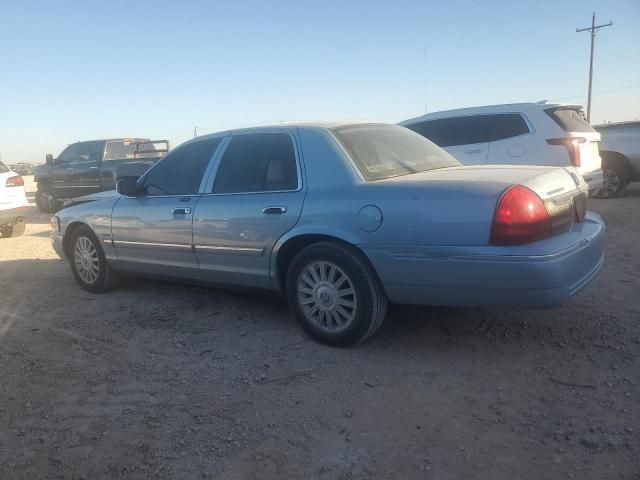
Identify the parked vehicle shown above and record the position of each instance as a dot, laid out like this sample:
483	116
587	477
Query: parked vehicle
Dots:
13	203
341	219
23	169
620	152
517	134
94	166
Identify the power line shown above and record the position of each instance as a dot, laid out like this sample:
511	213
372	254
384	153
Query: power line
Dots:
593	28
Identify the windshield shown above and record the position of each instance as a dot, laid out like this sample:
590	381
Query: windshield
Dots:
384	151
3	168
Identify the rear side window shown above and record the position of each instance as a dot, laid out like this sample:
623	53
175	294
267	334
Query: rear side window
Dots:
3	168
257	162
449	132
570	119
126	149
505	125
181	171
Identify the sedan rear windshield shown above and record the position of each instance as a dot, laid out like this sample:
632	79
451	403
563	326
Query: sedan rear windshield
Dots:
570	119
3	168
384	151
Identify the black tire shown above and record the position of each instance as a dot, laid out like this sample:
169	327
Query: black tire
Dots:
14	230
105	278
617	174
369	301
45	201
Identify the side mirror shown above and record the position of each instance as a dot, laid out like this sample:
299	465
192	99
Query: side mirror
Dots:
49	159
128	186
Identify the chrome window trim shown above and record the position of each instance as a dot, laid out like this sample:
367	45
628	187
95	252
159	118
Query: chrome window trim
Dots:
208	190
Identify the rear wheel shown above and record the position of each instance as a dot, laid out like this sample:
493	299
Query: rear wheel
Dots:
46	202
335	295
14	230
616	174
88	263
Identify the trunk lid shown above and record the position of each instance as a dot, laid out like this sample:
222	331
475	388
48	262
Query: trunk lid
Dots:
546	182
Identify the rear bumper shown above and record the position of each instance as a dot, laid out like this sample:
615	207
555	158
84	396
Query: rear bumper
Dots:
542	274
12	215
594	180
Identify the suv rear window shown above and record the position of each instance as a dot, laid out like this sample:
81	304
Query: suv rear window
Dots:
384	151
570	119
3	168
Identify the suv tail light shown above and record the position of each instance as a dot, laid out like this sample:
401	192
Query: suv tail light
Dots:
520	217
16	181
572	144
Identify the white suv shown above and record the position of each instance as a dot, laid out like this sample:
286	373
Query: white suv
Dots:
516	134
13	203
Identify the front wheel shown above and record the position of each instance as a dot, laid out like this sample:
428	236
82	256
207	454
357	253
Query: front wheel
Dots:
46	202
335	295
88	263
616	175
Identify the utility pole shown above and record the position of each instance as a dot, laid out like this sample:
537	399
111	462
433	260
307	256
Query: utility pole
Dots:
195	132
593	28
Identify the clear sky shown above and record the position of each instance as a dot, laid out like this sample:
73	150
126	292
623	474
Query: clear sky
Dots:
78	70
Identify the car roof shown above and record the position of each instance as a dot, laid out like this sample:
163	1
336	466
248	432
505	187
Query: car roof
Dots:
287	126
627	124
488	109
111	140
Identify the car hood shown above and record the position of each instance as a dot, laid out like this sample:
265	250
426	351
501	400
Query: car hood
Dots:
109	194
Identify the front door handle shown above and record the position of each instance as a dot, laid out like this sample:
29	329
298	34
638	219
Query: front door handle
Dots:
279	210
181	211
475	150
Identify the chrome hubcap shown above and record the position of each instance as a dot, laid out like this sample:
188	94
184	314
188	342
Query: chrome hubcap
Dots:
611	181
85	257
46	199
327	297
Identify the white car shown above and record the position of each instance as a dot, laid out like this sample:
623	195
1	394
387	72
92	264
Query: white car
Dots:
13	203
517	134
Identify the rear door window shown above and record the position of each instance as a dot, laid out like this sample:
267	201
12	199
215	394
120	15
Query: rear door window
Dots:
127	149
3	168
570	119
181	171
257	162
505	125
449	132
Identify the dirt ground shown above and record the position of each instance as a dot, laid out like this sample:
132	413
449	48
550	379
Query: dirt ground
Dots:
162	381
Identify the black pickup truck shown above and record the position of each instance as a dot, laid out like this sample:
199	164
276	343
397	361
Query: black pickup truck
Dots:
94	166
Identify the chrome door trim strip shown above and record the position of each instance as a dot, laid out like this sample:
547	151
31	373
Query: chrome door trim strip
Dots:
126	243
254	252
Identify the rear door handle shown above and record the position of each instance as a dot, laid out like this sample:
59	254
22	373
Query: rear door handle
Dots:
274	210
181	211
474	150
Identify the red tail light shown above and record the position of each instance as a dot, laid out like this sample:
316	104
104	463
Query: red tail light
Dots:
520	217
572	144
16	181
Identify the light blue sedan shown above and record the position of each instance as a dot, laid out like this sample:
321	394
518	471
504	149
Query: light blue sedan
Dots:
341	219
